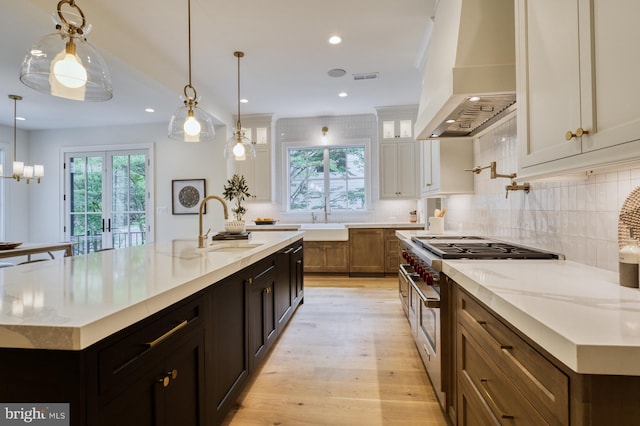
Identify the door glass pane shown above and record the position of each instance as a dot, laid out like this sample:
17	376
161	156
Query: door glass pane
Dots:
261	135
388	129
85	179
128	209
405	128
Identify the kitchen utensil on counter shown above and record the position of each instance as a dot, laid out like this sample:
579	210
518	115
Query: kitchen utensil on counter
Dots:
436	225
629	258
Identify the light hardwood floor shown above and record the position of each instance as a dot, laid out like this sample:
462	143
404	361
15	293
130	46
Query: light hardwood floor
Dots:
346	358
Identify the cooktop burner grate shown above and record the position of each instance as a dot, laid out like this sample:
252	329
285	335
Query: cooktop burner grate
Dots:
479	248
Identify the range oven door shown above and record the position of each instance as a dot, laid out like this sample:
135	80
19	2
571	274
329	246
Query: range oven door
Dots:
429	344
404	288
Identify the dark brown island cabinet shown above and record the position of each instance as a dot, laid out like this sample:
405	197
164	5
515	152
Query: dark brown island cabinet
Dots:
185	365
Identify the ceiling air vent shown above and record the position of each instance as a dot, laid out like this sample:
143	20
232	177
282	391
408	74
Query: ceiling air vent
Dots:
365	76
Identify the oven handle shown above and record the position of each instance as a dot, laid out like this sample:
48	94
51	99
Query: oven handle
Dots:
430	298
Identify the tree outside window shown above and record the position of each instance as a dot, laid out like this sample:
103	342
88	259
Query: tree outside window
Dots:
338	172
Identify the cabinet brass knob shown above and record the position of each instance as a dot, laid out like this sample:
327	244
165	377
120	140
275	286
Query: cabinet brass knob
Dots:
165	381
174	374
578	134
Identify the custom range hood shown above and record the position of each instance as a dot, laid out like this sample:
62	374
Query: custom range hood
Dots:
470	75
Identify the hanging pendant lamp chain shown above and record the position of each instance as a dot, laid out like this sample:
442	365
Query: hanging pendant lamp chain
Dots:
15	98
238	124
189	100
71	27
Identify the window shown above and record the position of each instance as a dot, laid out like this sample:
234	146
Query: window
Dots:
336	171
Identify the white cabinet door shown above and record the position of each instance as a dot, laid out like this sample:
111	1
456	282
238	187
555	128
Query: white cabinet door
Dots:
398	170
444	167
548	81
388	170
616	34
407	181
577	70
257	172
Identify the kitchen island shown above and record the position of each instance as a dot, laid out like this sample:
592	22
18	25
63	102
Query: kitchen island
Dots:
147	334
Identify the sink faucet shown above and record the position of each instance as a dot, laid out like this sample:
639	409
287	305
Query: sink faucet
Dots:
203	237
313	217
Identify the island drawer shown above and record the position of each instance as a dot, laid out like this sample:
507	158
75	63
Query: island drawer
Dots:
535	376
128	354
498	396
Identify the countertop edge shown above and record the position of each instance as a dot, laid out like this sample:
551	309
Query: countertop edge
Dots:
580	358
39	336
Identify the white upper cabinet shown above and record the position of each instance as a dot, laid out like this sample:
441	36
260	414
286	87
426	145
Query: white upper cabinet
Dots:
397	150
257	172
443	167
576	85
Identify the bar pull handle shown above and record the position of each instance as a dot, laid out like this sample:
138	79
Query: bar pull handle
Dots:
483	324
166	335
109	225
485	388
102	225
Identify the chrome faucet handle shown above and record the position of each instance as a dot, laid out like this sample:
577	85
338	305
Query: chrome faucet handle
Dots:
206	234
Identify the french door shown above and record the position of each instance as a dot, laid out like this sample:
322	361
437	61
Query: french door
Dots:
107	199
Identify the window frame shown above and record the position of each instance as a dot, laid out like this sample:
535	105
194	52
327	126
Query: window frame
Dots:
285	185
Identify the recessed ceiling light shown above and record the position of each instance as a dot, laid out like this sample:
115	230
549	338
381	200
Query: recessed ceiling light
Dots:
149	110
336	72
244	101
335	39
342	94
474	99
20	118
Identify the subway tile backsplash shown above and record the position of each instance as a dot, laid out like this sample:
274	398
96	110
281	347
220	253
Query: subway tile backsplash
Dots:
576	218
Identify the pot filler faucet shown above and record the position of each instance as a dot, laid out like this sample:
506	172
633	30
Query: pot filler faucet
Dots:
514	185
203	237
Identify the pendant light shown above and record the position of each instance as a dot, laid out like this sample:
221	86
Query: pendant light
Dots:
20	171
64	64
190	123
239	147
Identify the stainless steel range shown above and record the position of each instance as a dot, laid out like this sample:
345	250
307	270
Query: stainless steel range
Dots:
424	293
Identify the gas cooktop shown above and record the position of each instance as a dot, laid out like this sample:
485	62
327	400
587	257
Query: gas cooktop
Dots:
472	247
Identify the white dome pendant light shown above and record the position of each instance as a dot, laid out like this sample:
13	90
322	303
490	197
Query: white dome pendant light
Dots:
191	123
64	64
239	147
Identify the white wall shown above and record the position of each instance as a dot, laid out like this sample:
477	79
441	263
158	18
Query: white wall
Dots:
173	160
16	194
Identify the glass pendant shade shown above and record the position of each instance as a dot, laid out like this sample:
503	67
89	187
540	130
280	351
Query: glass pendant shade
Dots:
67	66
191	125
239	147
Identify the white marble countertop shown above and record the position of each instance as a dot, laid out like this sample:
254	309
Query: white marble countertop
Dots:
73	302
346	224
578	313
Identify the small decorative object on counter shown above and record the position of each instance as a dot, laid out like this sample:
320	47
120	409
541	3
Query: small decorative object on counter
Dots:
237	190
628	266
413	216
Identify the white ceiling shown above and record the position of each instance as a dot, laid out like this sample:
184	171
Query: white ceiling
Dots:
284	71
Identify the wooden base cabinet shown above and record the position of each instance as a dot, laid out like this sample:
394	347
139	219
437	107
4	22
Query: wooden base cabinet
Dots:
228	354
366	252
504	378
326	257
262	310
185	365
